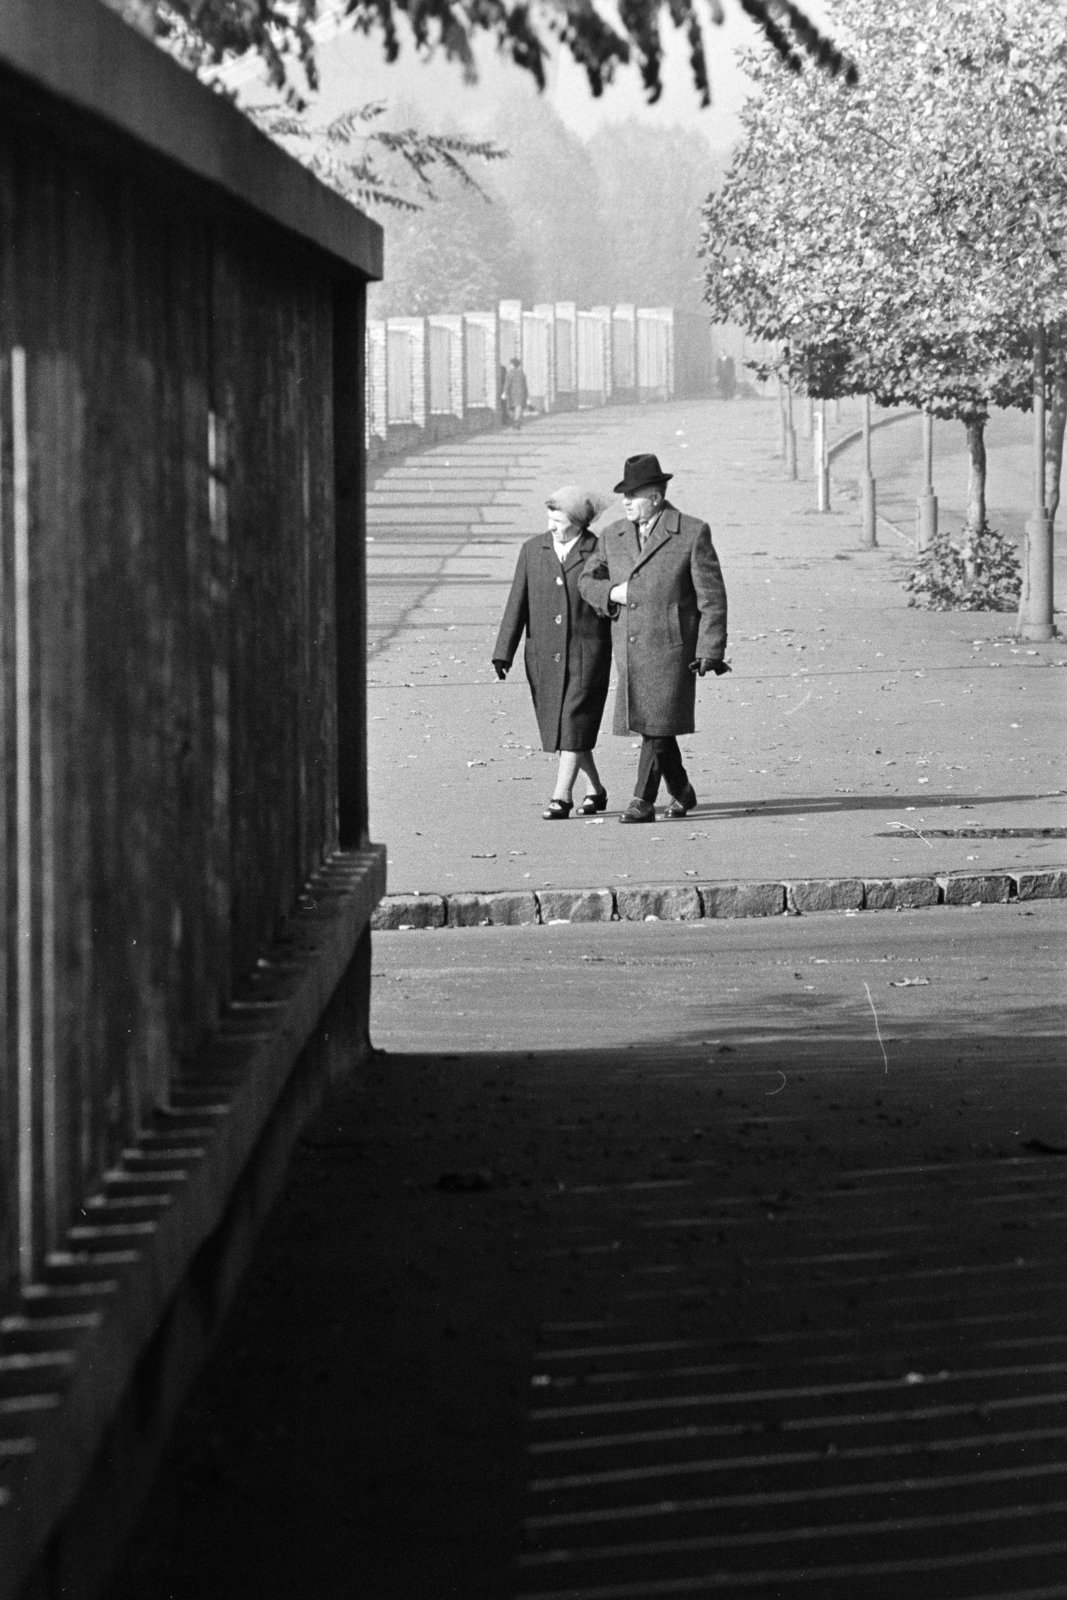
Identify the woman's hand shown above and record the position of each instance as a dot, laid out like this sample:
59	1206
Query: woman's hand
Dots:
501	669
617	594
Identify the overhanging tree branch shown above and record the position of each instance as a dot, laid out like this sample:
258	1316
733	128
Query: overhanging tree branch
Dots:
279	31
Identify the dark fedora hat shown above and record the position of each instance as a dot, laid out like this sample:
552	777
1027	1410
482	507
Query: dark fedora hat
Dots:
640	472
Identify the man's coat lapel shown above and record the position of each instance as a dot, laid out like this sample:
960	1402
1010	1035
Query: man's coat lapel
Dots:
668	524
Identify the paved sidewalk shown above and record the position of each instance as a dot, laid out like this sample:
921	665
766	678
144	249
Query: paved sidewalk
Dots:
855	737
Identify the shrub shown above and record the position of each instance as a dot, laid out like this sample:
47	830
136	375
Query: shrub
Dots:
977	571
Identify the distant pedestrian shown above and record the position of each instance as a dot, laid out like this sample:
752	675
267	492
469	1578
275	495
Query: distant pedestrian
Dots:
656	575
568	645
727	377
515	393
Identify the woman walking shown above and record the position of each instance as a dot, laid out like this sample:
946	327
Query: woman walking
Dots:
568	646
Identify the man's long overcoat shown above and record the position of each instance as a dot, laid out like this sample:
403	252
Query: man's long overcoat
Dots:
568	644
675	613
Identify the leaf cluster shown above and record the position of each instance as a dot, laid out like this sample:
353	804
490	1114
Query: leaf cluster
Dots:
525	31
979	574
346	153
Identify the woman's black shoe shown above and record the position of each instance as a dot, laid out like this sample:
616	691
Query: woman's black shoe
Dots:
557	810
593	803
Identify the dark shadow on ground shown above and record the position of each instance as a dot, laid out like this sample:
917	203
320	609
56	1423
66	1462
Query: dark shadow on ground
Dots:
791	806
837	1238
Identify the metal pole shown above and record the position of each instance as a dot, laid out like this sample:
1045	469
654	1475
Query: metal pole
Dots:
821	466
1035	605
926	510
869	538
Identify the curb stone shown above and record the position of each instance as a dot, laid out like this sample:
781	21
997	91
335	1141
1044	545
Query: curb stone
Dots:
688	903
501	909
666	904
1047	884
409	911
825	894
743	899
967	889
576	905
899	894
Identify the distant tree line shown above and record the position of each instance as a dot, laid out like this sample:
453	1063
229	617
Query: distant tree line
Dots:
617	218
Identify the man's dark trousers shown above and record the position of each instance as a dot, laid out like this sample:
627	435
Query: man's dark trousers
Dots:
660	761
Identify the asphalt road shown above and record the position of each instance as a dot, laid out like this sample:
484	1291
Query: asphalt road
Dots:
698	1259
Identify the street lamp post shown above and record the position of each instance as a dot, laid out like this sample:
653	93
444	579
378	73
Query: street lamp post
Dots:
1035	603
869	537
926	515
820	463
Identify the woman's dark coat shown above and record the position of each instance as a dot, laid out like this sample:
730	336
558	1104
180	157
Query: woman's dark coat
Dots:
568	646
675	613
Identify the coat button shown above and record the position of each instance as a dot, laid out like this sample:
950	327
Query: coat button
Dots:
559	581
559	619
633	638
556	656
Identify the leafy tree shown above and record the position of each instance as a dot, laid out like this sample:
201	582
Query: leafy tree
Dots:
903	235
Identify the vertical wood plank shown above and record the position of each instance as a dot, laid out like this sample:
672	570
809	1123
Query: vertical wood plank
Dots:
25	931
349	387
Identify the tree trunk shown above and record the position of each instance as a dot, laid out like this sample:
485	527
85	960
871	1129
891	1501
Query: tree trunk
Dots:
1055	424
976	512
976	474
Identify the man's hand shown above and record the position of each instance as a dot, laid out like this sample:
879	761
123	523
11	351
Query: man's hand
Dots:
709	664
617	595
501	669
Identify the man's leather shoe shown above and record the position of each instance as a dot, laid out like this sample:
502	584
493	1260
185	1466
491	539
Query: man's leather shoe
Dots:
682	806
639	811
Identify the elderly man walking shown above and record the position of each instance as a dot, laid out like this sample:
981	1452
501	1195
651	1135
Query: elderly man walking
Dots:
656	575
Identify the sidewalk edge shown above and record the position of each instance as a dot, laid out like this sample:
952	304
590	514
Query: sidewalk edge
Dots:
695	901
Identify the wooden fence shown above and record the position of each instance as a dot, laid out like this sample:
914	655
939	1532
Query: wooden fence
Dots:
182	720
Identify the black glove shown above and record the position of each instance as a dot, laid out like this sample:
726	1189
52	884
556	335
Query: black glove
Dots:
501	669
709	664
